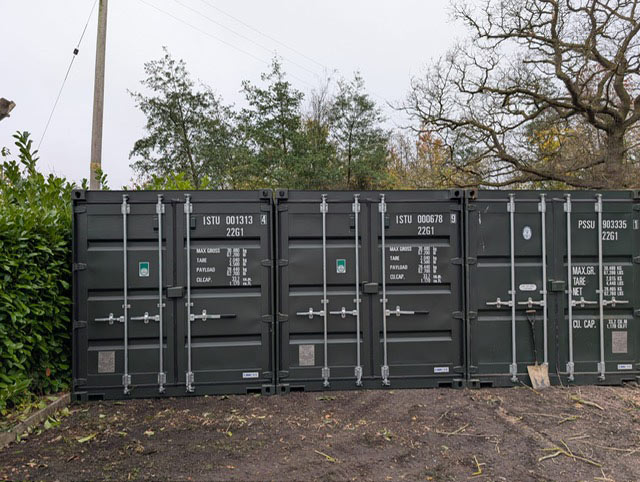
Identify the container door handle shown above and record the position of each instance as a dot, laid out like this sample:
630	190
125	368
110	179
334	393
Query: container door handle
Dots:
311	313
111	319
582	302
146	318
613	302
398	312
204	316
530	303
344	312
498	303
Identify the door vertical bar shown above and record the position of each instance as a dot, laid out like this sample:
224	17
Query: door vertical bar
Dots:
187	215
570	364
126	377
382	207
543	220
513	368
324	207
162	376
601	364
356	212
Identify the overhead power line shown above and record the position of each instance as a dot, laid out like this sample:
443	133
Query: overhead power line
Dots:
250	27
66	76
204	32
248	39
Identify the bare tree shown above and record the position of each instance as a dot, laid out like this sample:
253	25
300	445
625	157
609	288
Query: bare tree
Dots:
544	90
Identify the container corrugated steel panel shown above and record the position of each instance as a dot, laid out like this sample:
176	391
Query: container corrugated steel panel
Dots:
423	283
226	347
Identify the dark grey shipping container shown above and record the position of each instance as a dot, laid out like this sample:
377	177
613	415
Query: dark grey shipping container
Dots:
162	310
370	289
539	263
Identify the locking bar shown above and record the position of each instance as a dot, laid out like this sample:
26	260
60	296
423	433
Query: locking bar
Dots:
513	368
111	319
310	313
542	207
399	312
601	365
498	303
356	211
126	377
570	305
384	370
162	376
324	207
188	209
204	316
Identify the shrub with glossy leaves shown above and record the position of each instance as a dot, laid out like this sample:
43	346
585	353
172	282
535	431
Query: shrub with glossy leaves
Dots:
35	277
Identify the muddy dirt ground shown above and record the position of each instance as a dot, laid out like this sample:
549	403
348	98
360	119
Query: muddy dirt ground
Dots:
588	433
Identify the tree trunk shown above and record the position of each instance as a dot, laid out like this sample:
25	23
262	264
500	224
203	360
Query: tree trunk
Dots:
614	159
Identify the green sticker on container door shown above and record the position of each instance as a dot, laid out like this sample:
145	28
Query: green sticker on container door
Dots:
341	266
143	269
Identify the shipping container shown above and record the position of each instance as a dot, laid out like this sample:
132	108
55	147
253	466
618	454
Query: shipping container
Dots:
369	289
173	293
552	277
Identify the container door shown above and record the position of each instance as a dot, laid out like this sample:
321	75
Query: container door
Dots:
509	304
225	317
417	315
324	263
598	236
121	253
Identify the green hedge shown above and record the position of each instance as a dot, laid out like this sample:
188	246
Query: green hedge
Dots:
35	278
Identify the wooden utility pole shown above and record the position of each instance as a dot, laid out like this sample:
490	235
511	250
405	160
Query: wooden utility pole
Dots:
98	97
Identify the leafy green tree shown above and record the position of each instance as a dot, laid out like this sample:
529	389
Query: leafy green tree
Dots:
282	146
188	129
360	140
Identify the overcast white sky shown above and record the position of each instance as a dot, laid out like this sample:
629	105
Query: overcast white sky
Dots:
388	41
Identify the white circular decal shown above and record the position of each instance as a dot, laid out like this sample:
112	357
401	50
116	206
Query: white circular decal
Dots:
526	233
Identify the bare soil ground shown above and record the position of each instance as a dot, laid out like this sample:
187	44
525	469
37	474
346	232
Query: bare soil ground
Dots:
587	433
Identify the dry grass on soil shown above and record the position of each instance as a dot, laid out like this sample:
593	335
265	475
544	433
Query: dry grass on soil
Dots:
587	433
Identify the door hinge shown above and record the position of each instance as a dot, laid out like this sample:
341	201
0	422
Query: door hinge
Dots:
457	261
471	261
283	262
175	292
78	324
283	374
457	315
473	369
473	315
79	266
267	318
636	313
79	209
79	382
266	262
282	317
636	259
